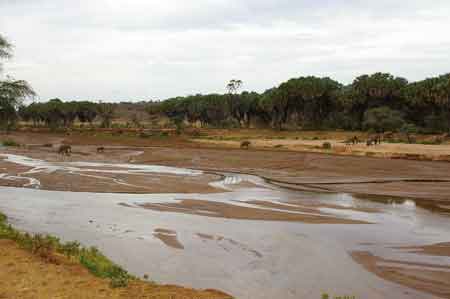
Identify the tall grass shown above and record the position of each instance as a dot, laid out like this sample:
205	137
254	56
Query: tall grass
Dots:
47	247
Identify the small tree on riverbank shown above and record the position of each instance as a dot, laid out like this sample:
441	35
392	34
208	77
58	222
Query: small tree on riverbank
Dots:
12	92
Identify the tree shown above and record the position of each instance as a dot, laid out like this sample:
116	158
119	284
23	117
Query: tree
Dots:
382	119
5	49
135	121
106	113
232	87
306	101
86	111
246	107
12	92
430	97
376	90
409	130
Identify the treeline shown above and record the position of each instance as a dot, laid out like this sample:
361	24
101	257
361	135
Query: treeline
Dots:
378	102
60	114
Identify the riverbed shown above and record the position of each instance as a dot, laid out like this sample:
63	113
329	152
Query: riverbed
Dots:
248	238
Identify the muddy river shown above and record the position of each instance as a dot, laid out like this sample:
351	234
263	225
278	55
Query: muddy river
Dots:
251	239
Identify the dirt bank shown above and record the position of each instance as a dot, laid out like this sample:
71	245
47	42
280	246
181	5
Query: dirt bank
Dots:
23	275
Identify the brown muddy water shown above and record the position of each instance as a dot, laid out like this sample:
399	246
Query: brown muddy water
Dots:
197	240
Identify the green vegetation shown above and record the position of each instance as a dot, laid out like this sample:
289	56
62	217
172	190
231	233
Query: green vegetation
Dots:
56	113
326	145
10	142
12	92
382	119
47	246
106	113
378	102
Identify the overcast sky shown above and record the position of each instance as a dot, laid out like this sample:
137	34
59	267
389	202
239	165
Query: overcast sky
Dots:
154	49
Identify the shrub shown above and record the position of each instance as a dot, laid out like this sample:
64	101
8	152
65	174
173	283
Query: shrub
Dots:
144	135
326	145
436	122
409	130
44	247
382	119
10	142
195	133
70	249
118	282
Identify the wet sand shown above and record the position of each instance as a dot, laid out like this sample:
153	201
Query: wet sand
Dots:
423	277
231	211
68	176
297	170
440	249
168	237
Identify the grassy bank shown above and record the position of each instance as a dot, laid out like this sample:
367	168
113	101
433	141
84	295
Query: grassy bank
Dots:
48	248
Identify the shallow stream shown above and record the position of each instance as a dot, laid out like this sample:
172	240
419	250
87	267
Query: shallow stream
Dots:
246	258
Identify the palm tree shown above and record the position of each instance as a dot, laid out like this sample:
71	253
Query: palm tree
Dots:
106	113
233	86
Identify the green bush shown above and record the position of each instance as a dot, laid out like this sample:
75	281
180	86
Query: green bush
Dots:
118	282
10	142
437	122
326	145
409	130
382	119
144	135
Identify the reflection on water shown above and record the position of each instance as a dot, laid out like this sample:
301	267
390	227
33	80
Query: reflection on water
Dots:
247	258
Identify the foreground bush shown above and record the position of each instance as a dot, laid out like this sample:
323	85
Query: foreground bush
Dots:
10	142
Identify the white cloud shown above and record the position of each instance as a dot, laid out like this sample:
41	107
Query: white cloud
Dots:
142	49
